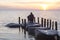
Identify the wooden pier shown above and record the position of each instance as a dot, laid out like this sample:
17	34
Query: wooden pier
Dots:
47	29
40	29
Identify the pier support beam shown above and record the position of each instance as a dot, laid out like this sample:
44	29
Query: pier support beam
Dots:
42	22
19	23
38	19
25	23
47	23
56	25
50	23
34	19
22	21
19	20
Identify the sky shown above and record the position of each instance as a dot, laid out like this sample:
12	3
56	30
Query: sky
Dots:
30	4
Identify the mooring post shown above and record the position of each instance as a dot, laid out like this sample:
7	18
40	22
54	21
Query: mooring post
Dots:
56	25
25	23
19	24
34	19
42	22
22	21
22	24
25	26
19	20
38	19
50	23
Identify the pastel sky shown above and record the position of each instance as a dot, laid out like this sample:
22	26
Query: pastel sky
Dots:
30	4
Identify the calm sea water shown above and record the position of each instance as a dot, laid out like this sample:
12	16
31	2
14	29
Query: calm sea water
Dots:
9	16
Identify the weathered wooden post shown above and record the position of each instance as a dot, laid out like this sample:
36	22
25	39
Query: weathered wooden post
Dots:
19	20
38	19
25	23
22	24
50	23
19	24
22	21
34	19
47	23
42	22
25	26
56	25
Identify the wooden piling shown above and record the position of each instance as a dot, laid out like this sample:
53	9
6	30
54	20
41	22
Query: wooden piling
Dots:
34	19
22	21
38	19
19	20
58	37
47	23
25	26
56	25
25	22
42	22
50	23
19	23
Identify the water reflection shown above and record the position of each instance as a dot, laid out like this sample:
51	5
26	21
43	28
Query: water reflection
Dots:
14	34
26	36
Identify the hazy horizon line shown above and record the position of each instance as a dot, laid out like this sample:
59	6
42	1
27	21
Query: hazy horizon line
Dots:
29	9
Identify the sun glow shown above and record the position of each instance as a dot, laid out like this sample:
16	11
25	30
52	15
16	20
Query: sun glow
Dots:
44	6
35	4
